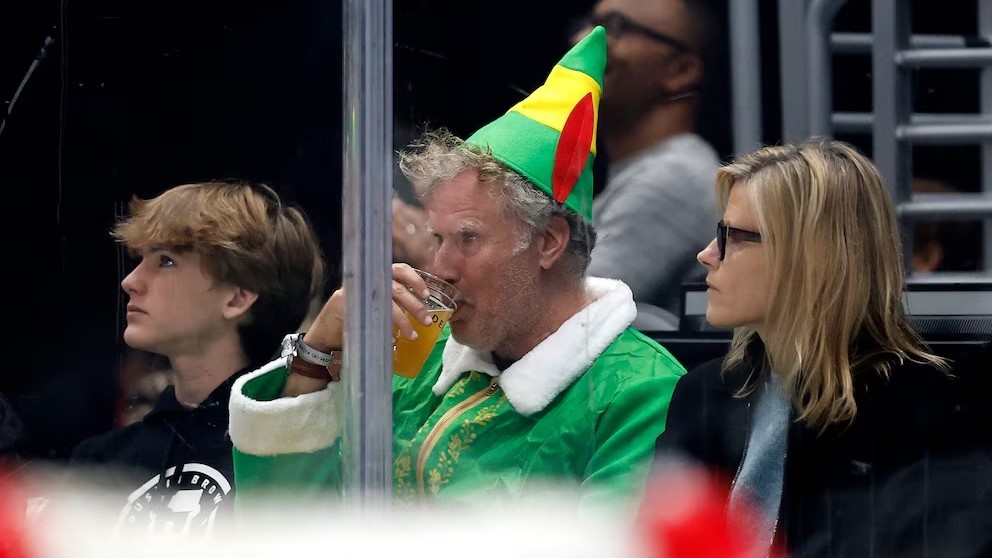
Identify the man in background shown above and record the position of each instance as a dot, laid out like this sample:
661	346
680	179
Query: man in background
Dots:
946	245
657	207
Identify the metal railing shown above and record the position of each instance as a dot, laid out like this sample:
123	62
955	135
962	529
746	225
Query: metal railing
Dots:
807	48
745	68
895	131
367	253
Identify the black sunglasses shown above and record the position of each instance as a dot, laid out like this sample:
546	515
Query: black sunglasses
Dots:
723	232
619	25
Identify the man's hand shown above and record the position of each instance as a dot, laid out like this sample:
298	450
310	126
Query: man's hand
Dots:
409	293
326	334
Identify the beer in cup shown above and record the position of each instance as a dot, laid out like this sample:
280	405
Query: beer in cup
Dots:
409	355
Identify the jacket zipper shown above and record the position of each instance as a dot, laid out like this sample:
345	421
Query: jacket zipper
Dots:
747	442
446	419
781	498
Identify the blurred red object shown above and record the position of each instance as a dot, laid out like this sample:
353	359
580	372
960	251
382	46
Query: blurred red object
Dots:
13	535
684	515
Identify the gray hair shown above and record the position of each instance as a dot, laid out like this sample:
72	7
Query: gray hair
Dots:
439	155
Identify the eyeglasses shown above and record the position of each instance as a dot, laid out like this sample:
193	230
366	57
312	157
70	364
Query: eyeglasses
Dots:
619	25
723	232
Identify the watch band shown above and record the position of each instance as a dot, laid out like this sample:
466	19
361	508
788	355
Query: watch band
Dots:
330	372
309	354
309	362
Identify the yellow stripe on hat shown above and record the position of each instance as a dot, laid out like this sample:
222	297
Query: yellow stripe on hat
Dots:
551	103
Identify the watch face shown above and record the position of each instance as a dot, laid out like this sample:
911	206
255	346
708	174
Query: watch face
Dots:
184	500
289	344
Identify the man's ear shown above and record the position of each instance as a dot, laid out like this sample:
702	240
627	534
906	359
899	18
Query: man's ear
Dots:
239	303
553	241
686	73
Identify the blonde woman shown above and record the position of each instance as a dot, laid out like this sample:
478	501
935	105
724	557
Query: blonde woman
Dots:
828	409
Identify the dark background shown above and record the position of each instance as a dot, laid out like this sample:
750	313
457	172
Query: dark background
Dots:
135	97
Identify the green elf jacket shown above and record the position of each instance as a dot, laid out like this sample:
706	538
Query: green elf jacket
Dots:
580	410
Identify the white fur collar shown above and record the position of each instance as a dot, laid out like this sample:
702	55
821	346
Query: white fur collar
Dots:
535	380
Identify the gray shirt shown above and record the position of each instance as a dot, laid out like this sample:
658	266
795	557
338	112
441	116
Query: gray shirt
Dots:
657	211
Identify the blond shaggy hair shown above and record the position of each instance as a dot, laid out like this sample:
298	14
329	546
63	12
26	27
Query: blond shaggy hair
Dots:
245	236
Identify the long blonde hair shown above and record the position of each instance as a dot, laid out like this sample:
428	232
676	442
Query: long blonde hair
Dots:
835	304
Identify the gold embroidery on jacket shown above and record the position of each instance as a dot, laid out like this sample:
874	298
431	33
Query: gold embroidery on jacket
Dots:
458	444
404	486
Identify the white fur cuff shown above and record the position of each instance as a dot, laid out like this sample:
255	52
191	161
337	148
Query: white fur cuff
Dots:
301	424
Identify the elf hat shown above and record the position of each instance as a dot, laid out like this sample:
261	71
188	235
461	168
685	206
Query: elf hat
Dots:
550	137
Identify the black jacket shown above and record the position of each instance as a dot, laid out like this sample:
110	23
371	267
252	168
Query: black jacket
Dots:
911	476
174	468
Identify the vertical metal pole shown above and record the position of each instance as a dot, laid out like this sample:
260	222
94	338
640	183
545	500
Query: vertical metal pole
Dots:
985	92
892	105
745	52
792	64
367	191
819	68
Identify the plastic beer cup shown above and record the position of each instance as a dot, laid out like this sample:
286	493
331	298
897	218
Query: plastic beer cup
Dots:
409	355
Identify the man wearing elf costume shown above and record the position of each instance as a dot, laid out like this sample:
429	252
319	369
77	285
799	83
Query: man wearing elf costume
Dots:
538	377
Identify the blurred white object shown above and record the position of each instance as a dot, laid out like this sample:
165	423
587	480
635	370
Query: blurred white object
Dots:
548	525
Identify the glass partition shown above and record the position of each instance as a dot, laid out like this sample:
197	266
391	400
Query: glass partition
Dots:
577	402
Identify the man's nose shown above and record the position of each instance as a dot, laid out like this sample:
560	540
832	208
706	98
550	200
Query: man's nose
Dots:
132	282
447	264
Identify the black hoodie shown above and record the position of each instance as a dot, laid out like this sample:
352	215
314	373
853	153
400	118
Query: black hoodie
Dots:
174	467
